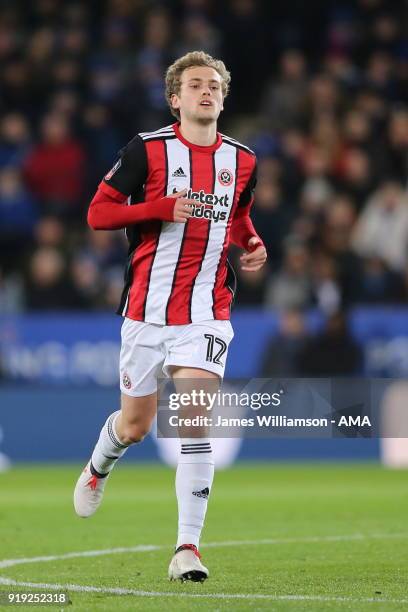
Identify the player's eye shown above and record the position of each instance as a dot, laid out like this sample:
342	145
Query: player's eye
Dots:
215	87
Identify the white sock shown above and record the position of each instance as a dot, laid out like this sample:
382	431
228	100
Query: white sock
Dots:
108	449
194	477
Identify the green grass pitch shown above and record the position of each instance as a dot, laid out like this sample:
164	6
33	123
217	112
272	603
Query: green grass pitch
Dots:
318	538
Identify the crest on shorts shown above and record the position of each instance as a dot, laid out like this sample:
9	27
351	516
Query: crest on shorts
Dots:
127	383
225	177
113	170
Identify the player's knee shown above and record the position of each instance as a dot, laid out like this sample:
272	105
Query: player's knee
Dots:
134	432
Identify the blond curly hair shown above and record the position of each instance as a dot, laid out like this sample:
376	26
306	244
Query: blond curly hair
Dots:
191	60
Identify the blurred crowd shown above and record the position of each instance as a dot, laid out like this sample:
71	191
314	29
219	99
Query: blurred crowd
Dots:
319	91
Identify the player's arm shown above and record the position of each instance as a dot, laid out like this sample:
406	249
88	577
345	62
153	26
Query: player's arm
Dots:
243	233
109	210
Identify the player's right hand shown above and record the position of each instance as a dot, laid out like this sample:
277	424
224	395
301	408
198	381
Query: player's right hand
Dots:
183	207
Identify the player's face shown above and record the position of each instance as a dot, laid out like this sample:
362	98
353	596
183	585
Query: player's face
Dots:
200	98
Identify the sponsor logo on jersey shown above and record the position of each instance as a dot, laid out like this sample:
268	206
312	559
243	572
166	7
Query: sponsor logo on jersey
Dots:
210	199
179	172
113	170
200	212
225	177
207	201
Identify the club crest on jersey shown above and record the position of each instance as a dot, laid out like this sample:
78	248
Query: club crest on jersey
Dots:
225	177
127	383
113	170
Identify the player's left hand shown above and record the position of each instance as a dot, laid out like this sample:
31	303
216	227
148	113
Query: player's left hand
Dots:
255	257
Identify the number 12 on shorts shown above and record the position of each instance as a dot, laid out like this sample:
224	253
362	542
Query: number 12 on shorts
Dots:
215	349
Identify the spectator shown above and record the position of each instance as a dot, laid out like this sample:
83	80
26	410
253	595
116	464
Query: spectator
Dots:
282	353
50	232
14	140
104	248
245	38
87	281
326	286
323	96
291	287
18	214
382	229
17	87
379	284
251	286
356	172
357	130
338	223
394	161
11	294
271	213
113	288
151	61
55	168
332	352
47	285
198	33
18	211
283	100
102	140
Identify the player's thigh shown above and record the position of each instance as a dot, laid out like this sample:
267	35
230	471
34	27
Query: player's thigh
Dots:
141	358
141	361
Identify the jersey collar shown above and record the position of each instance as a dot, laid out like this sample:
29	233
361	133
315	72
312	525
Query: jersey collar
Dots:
195	147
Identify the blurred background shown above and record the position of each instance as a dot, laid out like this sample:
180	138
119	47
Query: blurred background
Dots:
319	91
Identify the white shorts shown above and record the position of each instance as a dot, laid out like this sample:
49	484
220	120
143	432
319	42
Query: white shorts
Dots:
148	350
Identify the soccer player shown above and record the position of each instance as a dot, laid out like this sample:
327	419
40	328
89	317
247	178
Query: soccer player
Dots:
183	193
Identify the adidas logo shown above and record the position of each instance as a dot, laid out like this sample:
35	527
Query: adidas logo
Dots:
179	173
204	493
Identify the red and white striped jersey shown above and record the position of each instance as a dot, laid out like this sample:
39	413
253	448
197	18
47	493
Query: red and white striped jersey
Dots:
179	273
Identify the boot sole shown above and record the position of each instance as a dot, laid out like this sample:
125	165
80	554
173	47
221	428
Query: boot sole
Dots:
194	576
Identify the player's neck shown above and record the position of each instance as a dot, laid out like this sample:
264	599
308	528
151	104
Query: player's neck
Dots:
202	135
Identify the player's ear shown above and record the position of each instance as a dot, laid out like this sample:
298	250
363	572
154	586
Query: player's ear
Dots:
175	101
